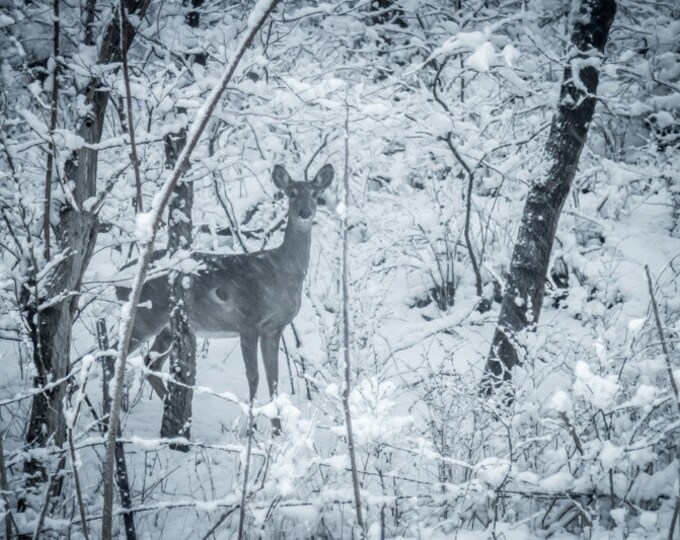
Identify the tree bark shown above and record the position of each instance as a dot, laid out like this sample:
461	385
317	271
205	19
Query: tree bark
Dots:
50	316
523	294
177	408
108	365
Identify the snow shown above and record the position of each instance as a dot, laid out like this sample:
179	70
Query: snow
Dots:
644	396
510	54
144	227
610	455
339	462
258	12
578	64
341	210
461	41
558	482
618	515
600	391
592	394
664	119
561	402
483	57
636	325
493	471
5	20
648	520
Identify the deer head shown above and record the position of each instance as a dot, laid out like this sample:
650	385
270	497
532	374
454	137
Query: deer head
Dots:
302	195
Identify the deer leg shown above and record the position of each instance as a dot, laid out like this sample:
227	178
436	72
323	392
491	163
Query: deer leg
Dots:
156	358
269	344
249	351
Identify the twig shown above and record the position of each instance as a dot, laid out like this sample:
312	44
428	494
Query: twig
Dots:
226	205
53	124
219	522
437	97
290	371
40	390
572	431
202	118
298	345
346	336
674	520
664	347
246	472
4	486
316	153
72	449
46	504
121	466
468	211
128	102
89	22
671	377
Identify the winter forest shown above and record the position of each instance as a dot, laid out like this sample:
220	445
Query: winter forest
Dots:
340	269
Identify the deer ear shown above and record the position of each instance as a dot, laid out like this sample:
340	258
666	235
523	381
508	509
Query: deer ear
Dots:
281	178
323	178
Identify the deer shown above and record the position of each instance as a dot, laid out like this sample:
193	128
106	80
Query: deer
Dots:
252	296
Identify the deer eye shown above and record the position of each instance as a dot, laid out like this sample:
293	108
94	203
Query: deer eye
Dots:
292	192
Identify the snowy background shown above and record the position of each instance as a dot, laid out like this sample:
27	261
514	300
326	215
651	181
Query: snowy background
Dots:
590	446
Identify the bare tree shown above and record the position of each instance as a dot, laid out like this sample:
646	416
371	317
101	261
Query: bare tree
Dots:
523	294
177	406
50	314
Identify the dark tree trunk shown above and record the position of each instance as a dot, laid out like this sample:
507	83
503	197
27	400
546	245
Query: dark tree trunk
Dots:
76	234
177	407
386	12
108	368
523	294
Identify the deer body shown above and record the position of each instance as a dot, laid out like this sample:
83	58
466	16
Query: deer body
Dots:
253	296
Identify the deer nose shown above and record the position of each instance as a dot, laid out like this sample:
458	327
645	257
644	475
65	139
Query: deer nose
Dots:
305	213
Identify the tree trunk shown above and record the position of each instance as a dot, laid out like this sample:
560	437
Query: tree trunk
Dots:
177	407
76	234
108	368
523	294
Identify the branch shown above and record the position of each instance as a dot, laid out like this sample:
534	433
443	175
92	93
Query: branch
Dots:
4	486
659	328
53	124
246	473
316	153
346	337
128	102
468	211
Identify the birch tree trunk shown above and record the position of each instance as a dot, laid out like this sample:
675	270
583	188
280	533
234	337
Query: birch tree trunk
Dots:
51	315
523	294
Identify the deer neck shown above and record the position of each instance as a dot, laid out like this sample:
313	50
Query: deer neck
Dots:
295	248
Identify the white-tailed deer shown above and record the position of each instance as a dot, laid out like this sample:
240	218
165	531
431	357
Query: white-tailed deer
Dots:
253	296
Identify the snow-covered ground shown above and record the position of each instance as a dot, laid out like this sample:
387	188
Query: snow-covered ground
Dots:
589	446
